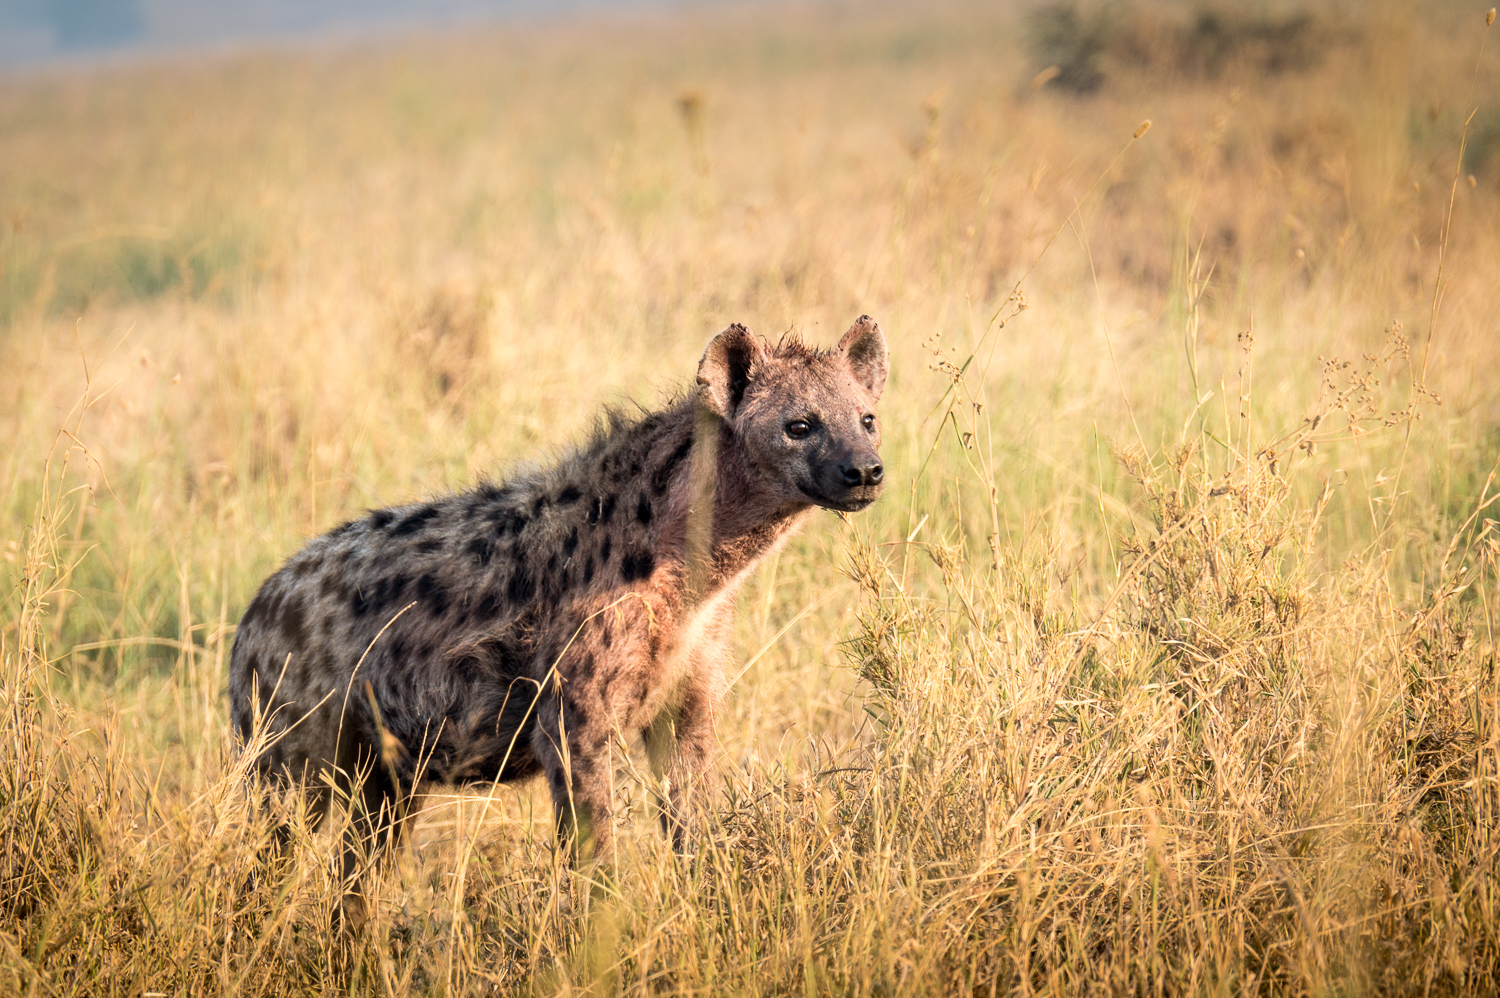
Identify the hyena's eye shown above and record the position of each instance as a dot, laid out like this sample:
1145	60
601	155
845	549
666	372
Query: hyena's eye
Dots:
797	429
869	422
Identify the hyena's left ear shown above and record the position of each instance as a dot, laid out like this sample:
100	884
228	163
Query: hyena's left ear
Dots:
864	346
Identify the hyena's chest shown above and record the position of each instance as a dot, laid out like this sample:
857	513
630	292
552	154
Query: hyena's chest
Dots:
683	657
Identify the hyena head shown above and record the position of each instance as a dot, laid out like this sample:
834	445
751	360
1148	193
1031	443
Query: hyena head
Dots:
805	417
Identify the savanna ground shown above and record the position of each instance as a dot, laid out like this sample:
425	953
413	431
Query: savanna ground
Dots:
1166	665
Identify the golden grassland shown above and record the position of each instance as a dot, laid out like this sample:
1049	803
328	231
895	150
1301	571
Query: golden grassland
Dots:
1165	666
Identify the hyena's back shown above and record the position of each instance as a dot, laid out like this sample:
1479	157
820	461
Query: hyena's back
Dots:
400	625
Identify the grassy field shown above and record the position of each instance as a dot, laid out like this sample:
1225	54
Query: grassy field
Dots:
1165	666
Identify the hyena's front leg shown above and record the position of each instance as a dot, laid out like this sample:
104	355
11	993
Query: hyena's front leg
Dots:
680	745
573	746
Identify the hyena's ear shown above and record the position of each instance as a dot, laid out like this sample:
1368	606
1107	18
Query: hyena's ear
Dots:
724	372
864	346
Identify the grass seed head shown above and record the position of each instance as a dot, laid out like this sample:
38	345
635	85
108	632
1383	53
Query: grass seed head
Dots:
1043	78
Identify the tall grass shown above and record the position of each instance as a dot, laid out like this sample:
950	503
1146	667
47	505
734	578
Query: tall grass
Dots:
1165	666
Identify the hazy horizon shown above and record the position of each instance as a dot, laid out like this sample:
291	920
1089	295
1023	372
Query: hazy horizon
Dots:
40	33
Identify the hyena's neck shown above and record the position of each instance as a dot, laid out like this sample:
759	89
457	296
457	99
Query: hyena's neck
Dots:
703	552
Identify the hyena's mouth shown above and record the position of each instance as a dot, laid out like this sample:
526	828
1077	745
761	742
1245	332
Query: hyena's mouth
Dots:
850	501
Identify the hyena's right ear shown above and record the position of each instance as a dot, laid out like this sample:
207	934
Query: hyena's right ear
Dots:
724	372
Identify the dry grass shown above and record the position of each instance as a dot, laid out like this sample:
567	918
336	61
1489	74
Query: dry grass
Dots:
1167	665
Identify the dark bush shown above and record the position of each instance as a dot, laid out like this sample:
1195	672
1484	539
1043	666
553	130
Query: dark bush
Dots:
1073	42
1080	48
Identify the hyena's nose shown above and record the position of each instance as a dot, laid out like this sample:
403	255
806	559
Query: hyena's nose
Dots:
861	473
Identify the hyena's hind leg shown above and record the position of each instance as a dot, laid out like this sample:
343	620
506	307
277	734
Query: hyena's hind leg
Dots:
284	767
308	800
284	802
377	802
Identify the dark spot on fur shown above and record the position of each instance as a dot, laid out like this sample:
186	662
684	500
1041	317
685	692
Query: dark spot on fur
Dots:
380	596
333	588
643	509
433	593
253	668
588	570
569	496
274	599
607	513
415	520
380	518
539	505
571	543
509	521
263	687
608	637
294	624
594	509
604	551
488	491
636	564
487	606
397	649
481	549
467	667
253	611
428	547
663	475
521	587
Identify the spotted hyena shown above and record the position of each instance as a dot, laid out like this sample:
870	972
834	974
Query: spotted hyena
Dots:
521	628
